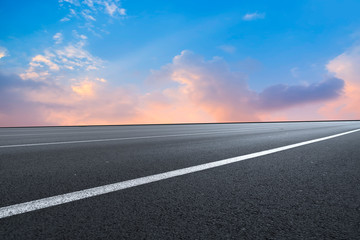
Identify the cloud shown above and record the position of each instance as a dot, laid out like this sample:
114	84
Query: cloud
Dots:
201	91
75	2
79	36
88	9
122	11
79	101
58	59
111	8
188	89
284	96
15	110
253	16
39	59
87	15
3	52
65	19
58	37
345	66
93	15
209	87
14	81
87	87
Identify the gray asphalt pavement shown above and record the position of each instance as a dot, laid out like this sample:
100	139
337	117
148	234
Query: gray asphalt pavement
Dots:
307	192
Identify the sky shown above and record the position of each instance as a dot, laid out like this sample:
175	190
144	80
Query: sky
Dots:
89	62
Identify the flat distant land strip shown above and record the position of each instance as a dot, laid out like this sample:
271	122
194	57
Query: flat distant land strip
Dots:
286	180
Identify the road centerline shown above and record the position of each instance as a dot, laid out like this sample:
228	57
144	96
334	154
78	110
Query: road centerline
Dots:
96	191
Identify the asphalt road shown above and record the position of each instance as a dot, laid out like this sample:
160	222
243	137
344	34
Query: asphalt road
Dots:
306	192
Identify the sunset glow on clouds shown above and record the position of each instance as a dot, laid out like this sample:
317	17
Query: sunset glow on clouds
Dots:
74	79
347	67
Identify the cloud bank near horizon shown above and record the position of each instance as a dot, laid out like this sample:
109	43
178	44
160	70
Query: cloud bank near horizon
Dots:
189	89
345	66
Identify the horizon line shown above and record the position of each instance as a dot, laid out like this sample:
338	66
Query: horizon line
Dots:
185	123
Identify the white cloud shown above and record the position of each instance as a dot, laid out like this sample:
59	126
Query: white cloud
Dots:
87	15
111	8
3	52
75	2
54	61
253	16
39	59
93	15
89	3
72	13
58	37
90	8
65	19
79	36
122	11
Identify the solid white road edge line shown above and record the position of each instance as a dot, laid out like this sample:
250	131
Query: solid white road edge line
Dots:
92	192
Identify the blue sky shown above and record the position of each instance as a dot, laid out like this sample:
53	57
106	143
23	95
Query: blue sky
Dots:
124	42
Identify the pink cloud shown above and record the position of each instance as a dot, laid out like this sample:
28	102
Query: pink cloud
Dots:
347	67
189	89
88	101
208	87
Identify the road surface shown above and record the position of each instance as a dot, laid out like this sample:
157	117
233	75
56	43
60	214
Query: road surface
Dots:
201	181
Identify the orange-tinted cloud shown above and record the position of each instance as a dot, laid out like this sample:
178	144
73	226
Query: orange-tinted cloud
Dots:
210	87
345	66
207	87
189	89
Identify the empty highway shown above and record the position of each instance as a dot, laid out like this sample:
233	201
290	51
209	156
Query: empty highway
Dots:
290	180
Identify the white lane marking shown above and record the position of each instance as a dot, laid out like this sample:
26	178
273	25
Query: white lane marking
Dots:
96	191
125	138
126	131
243	126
